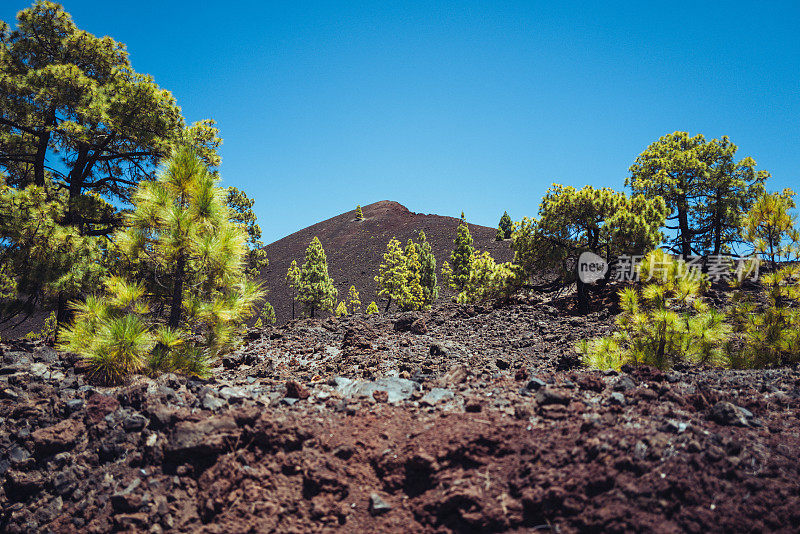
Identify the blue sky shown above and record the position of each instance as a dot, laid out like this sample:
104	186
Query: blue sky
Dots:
473	106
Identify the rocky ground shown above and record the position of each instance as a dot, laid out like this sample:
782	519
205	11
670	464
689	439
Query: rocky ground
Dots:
461	419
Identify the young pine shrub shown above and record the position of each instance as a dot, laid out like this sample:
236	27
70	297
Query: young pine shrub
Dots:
315	289
109	332
266	317
768	335
354	299
489	280
399	277
341	310
664	324
268	314
457	271
293	281
504	228
427	261
184	295
48	331
414	295
372	309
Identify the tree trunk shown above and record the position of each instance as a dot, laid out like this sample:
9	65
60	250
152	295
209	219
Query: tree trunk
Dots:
388	303
38	164
76	179
685	237
583	298
41	149
717	224
177	292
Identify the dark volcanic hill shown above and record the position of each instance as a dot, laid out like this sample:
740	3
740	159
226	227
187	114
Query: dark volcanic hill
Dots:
355	248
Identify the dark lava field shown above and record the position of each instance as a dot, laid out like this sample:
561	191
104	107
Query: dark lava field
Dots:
458	419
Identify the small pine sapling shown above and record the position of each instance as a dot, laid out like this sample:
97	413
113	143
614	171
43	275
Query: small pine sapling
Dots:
489	280
359	213
447	273
267	314
505	228
341	310
372	309
185	293
354	300
293	281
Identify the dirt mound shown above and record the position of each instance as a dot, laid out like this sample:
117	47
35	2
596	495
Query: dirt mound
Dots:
372	425
355	248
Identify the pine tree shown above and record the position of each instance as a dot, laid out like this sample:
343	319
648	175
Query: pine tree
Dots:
186	292
489	280
664	324
571	221
71	97
770	228
505	227
372	309
769	335
413	294
447	274
241	210
341	310
293	280
359	213
706	191
316	290
354	300
427	261
461	258
267	314
393	274
42	260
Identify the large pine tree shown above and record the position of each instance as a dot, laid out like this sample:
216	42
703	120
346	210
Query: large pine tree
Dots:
705	189
603	221
69	96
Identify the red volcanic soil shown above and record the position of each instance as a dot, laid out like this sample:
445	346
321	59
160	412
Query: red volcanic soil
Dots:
453	420
355	248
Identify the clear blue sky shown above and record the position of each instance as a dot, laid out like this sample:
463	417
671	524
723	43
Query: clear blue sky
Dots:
458	106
